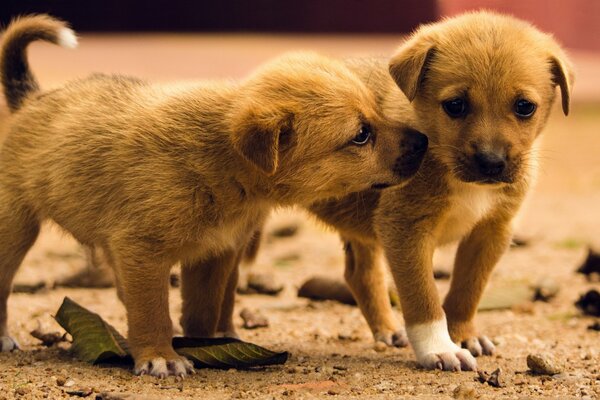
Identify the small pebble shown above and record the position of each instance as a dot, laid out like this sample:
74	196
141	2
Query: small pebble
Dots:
253	319
543	364
380	347
464	392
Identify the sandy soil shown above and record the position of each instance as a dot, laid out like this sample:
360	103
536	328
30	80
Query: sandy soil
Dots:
332	349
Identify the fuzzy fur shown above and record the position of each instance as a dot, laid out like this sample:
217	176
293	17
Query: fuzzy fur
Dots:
153	175
493	60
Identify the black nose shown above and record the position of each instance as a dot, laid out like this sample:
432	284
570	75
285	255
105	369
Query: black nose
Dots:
490	164
415	142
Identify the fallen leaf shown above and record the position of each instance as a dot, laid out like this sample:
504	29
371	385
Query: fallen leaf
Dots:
96	341
226	353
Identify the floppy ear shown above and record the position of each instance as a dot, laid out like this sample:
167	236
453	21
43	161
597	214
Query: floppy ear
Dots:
256	136
409	65
563	76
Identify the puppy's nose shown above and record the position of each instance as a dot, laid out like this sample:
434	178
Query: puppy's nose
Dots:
490	164
415	142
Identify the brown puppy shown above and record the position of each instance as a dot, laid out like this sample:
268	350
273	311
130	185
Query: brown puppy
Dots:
481	86
154	175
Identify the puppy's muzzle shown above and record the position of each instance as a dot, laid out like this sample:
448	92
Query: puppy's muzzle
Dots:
414	145
490	165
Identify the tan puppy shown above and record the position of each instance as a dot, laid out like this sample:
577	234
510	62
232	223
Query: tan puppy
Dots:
481	85
158	174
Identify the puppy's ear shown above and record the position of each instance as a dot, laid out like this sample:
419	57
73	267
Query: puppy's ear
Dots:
256	134
409	65
563	76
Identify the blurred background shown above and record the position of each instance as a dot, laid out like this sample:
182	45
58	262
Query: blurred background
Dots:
179	40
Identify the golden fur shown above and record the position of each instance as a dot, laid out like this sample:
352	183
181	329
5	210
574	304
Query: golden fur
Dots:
157	174
492	61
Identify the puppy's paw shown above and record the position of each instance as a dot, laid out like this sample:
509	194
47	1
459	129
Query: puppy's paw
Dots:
8	344
392	339
435	350
479	346
454	360
162	367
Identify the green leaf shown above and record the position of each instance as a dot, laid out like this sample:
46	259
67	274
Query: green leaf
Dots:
226	353
96	341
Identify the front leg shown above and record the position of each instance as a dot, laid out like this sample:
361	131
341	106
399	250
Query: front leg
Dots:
145	293
408	235
365	276
208	290
476	257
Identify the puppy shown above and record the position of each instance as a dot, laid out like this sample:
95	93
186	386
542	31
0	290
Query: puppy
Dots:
481	86
158	174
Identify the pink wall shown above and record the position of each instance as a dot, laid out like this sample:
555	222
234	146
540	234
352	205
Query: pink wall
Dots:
575	23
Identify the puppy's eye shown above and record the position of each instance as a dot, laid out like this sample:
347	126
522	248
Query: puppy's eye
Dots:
364	135
524	108
455	108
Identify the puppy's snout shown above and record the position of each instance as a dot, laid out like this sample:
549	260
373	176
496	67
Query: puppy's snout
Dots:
414	146
490	164
416	142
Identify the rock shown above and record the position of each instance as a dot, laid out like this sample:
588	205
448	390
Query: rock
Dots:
589	303
492	379
520	241
591	265
253	320
545	289
262	284
464	392
80	393
380	347
48	339
69	383
22	391
322	288
441	274
543	364
30	288
595	326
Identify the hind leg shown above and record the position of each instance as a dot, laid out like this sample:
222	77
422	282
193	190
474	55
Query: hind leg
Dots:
365	275
18	231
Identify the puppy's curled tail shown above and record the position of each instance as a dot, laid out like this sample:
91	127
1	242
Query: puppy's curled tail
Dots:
17	80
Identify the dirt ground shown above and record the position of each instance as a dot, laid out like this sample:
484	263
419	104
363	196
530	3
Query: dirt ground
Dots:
332	352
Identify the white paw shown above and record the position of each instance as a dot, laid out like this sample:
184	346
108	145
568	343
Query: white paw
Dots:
435	350
479	346
392	339
161	368
8	344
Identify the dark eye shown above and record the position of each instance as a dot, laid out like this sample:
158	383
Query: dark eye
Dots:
524	108
364	135
455	108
